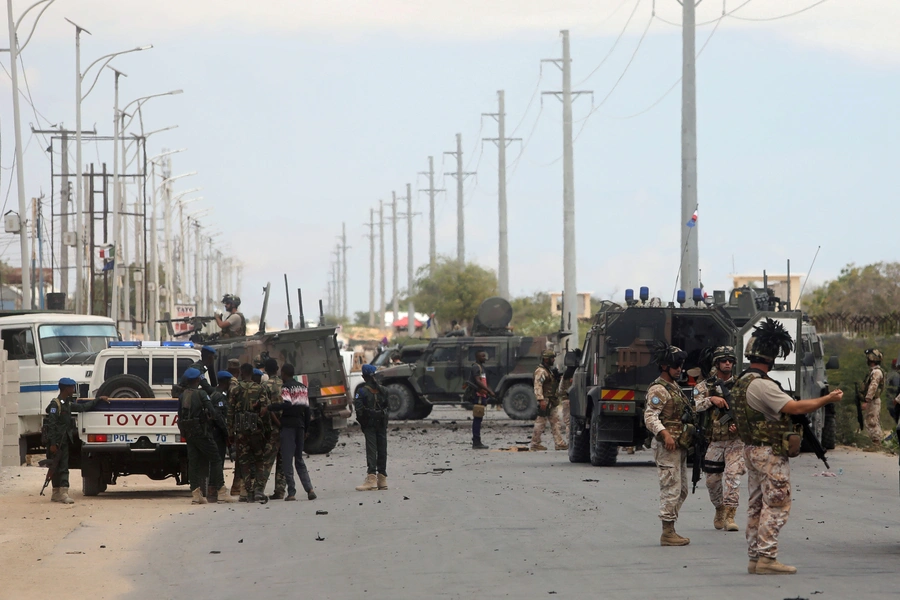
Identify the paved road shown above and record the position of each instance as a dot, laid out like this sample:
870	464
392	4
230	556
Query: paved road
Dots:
518	525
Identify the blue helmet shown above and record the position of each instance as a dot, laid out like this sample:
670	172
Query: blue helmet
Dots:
368	370
209	349
257	372
223	375
192	373
66	381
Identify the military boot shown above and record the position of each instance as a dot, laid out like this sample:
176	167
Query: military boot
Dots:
477	445
277	495
64	496
538	447
212	494
719	519
670	538
561	446
730	525
236	486
751	566
223	494
771	566
55	497
369	484
260	497
382	482
197	496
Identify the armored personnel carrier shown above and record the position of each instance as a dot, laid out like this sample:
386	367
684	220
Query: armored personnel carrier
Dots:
607	397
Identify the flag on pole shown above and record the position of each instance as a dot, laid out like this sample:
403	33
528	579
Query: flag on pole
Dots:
693	221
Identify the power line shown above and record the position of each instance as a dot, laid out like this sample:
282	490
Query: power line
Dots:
802	10
724	14
615	43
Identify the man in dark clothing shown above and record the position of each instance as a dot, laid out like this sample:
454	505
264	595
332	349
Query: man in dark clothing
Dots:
194	415
219	430
371	411
294	408
477	392
61	432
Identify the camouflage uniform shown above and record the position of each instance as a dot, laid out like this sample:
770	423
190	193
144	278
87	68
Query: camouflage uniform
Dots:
665	405
565	385
250	445
768	467
874	386
545	389
726	449
272	453
232	438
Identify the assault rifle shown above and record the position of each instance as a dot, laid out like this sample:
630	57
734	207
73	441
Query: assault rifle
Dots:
859	412
808	436
195	332
691	417
52	465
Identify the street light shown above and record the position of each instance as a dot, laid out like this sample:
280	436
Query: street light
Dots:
170	267
79	191
153	281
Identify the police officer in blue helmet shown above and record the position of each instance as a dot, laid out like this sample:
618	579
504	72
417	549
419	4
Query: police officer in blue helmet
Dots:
196	417
371	404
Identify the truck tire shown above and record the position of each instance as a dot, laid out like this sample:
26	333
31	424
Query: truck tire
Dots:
401	401
322	437
125	386
579	441
602	454
93	486
519	402
421	410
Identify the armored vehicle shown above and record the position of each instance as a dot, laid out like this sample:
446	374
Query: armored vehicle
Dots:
438	375
607	397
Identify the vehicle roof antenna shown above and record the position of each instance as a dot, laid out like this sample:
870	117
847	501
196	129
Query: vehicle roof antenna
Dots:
265	307
287	296
789	284
803	287
300	302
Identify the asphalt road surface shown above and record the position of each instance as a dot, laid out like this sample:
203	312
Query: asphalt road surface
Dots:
459	523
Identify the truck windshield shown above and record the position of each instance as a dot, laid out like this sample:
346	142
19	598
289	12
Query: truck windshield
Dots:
60	343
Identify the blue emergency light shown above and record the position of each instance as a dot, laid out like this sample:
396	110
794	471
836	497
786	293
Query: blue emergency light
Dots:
645	293
682	297
698	295
629	296
151	344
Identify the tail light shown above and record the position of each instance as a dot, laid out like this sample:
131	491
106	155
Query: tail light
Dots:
96	438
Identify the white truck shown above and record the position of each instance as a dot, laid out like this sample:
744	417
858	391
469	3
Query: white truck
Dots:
136	432
47	347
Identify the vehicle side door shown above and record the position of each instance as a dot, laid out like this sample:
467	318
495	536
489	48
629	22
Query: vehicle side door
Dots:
18	341
439	373
582	379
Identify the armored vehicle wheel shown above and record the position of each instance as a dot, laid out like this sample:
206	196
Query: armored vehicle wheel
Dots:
602	454
401	402
125	386
579	441
421	410
519	402
322	437
829	429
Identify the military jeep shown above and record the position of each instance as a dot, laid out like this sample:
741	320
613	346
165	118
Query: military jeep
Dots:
438	375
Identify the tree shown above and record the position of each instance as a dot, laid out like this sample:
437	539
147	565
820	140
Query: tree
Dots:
453	291
869	290
531	315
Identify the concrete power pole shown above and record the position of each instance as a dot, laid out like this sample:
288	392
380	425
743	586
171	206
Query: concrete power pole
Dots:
64	191
381	260
371	236
690	266
502	142
410	275
344	247
337	282
570	290
460	205
432	247
395	300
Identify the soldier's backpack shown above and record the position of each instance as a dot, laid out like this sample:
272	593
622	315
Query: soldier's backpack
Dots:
45	426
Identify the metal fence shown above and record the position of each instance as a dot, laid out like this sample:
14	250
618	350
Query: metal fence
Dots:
854	324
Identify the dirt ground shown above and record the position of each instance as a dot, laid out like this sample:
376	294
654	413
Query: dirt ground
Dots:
36	553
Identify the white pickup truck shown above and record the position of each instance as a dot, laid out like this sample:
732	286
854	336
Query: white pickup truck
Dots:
136	432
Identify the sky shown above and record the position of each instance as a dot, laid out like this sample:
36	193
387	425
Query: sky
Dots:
300	115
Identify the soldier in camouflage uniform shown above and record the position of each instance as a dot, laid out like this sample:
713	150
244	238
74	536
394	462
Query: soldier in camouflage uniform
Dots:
725	454
545	388
272	394
874	387
234	368
250	435
762	413
666	404
61	432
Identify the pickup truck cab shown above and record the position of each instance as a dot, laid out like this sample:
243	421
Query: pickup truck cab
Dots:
136	433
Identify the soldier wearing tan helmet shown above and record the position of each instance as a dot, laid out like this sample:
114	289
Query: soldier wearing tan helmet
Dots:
233	324
545	391
724	460
874	387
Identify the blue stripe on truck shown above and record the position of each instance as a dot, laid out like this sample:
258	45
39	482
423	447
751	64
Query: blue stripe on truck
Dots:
41	387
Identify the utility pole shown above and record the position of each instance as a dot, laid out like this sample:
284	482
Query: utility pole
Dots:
381	259
64	195
371	236
570	290
460	205
337	282
502	142
690	266
410	281
395	300
432	247
344	247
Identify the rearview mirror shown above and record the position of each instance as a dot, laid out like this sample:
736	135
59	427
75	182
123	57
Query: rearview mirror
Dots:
809	359
833	363
571	359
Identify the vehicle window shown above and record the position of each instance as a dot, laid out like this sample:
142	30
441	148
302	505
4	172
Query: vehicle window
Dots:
139	366
183	365
19	343
490	350
445	354
74	343
114	366
410	356
163	371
